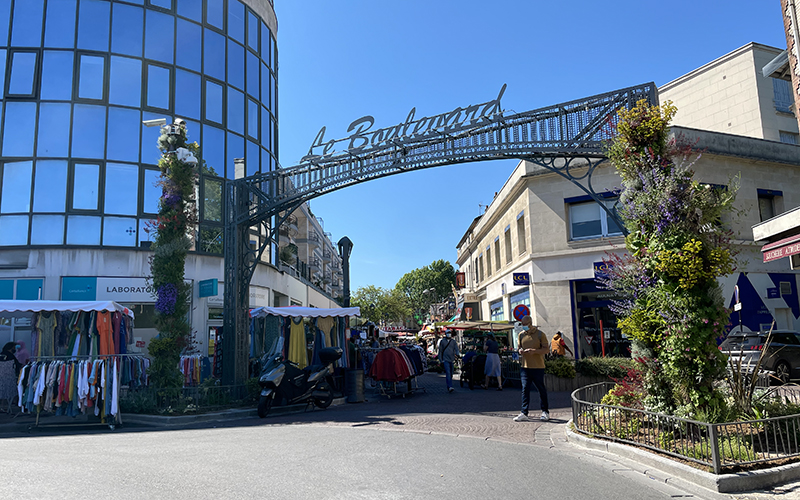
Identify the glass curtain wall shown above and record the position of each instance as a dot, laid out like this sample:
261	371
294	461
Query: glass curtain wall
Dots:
76	165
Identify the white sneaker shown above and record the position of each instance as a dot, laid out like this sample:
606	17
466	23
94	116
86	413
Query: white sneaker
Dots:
521	418
545	416
450	389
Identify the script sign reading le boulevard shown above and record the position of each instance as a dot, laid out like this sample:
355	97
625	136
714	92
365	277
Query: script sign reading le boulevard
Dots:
363	136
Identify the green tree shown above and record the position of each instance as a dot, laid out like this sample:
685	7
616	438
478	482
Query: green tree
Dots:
427	285
378	304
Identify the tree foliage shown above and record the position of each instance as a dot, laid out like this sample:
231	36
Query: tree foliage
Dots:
439	275
378	304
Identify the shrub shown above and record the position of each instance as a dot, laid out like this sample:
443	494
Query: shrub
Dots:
560	367
604	367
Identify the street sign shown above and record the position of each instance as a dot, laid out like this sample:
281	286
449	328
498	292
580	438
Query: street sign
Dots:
521	311
589	339
521	279
208	288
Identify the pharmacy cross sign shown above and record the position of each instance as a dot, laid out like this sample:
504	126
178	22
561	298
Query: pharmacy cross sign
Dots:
566	139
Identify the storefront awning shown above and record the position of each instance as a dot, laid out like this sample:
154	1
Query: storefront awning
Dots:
487	326
781	248
305	312
31	306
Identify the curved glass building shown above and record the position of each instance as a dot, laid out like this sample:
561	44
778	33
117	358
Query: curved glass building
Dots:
78	168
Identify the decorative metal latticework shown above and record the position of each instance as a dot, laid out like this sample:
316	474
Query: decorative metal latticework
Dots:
565	138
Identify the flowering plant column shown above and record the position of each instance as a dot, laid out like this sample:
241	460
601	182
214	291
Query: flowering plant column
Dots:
669	300
177	216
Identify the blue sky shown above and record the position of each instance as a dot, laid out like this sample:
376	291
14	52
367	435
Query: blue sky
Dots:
339	61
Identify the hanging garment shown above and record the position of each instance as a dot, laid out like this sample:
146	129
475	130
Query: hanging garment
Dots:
8	380
46	326
326	325
319	344
106	333
390	365
297	343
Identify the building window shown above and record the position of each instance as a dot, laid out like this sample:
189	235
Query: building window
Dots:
91	77
783	95
85	186
768	201
507	241
488	261
496	310
789	137
22	73
497	263
480	268
521	236
589	220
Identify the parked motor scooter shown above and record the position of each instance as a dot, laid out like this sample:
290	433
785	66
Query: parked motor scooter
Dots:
282	380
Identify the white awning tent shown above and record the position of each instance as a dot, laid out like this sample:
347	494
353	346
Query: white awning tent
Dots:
305	312
22	308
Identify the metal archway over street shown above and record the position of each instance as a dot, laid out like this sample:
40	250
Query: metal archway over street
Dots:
565	138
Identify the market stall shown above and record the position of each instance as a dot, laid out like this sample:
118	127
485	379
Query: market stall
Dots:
78	358
473	335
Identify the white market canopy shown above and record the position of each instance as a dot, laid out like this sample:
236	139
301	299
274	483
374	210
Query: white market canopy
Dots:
304	312
16	307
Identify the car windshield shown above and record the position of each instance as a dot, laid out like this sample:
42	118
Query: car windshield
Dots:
745	342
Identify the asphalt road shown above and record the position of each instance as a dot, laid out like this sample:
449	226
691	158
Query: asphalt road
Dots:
307	461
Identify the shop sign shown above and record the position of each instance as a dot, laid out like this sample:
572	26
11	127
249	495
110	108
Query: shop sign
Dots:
773	293
521	279
208	288
461	280
601	269
125	290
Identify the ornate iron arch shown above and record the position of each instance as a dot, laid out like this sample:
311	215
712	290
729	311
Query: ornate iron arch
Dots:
566	139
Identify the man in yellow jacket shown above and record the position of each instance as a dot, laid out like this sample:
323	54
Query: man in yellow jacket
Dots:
533	345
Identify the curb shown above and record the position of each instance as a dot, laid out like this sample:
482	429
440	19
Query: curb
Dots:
234	414
723	483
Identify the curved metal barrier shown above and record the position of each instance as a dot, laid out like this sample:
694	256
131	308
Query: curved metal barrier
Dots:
717	446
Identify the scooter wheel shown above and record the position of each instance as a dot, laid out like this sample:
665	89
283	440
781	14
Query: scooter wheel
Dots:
325	401
264	405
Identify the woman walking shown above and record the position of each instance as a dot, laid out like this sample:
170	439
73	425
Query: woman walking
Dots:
493	368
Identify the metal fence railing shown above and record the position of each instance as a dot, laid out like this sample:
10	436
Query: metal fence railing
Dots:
186	400
717	446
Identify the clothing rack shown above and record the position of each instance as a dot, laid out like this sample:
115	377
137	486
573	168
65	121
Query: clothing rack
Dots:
115	374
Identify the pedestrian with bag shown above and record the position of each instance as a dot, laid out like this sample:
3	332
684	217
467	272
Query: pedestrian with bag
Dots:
448	352
533	346
559	348
493	367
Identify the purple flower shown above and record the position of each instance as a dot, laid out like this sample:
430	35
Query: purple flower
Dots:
167	297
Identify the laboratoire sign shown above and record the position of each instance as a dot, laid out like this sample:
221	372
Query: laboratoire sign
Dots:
413	128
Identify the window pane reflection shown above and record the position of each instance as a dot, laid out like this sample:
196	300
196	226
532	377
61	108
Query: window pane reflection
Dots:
50	186
57	75
93	23
189	50
59	29
91	74
235	65
253	158
85	186
125	85
122	189
213	148
119	231
253	67
14	230
150	153
20	123
236	20
53	138
265	50
85	119
214	54
159	36
158	86
252	31
28	17
16	187
252	118
235	150
124	126
266	129
5	16
214	101
235	111
47	230
126	30
215	14
273	90
187	94
265	81
212	201
23	71
83	230
145	231
164	4
151	191
193	9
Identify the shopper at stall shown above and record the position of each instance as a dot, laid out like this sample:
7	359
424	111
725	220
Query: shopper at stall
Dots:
493	368
533	345
448	350
22	354
559	348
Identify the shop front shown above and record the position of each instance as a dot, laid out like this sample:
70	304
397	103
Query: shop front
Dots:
595	326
